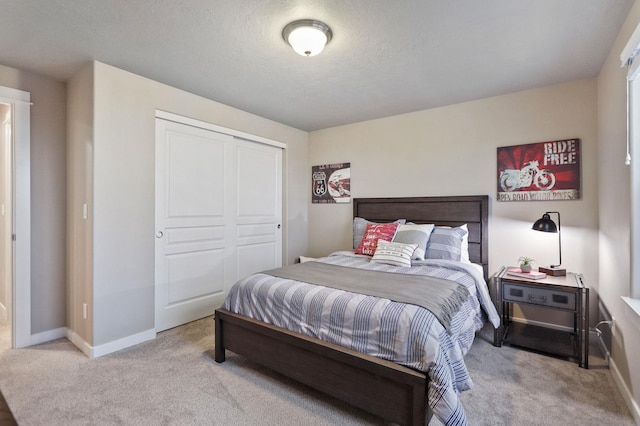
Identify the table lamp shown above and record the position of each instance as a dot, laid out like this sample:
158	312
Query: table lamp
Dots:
545	224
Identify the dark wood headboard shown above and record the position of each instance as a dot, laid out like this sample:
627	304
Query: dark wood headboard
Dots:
444	211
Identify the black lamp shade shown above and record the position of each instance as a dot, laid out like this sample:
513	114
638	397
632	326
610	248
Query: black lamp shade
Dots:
545	224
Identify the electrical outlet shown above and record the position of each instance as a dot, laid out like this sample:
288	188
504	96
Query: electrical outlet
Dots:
84	311
613	325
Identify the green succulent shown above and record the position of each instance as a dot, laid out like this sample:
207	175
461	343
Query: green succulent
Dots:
524	260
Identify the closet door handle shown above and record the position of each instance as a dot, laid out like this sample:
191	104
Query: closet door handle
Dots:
159	234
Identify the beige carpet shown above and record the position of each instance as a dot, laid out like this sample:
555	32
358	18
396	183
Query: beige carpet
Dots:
6	417
173	380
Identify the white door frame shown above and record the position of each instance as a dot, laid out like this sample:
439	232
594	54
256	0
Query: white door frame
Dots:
21	147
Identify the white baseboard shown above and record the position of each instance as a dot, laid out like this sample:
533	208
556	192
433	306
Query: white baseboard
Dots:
79	342
123	343
114	346
633	406
88	350
47	336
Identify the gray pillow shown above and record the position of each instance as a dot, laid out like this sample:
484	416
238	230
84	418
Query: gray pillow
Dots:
414	234
445	243
360	225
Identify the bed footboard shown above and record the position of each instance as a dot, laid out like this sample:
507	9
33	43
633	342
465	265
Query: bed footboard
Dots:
377	386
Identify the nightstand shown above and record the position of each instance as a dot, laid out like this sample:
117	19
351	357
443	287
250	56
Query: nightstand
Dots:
566	293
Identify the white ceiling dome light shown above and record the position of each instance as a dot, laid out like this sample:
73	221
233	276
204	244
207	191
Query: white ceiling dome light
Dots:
307	36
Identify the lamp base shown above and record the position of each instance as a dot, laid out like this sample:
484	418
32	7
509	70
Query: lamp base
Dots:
553	272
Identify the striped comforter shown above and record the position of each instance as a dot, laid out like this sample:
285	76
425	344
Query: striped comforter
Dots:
402	333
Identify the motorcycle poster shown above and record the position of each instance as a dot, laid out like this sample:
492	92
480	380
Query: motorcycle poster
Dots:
331	183
542	171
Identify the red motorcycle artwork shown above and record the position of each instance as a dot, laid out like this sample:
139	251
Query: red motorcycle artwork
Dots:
540	171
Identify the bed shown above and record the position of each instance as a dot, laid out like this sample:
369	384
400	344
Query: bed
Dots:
393	391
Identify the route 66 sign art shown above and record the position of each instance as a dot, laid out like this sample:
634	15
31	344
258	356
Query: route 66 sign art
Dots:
331	183
541	171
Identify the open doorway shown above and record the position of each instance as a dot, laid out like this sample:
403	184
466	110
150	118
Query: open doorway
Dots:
15	215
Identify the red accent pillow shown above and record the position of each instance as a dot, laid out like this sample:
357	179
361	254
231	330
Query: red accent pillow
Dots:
373	233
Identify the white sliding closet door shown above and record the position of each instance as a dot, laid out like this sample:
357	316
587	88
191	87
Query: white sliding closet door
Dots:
259	207
218	216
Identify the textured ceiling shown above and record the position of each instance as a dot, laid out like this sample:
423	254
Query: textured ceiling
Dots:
387	56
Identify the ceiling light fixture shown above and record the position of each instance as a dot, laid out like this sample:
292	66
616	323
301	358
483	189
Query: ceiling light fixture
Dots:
307	36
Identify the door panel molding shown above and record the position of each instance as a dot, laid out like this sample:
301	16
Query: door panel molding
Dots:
218	200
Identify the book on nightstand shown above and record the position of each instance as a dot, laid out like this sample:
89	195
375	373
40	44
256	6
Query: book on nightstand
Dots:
533	275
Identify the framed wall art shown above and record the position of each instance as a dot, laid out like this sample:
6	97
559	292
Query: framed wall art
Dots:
331	183
541	171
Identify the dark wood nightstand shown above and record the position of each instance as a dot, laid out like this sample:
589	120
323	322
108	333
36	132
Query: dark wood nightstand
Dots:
567	293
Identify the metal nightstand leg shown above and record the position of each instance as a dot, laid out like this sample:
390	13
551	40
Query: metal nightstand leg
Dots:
584	352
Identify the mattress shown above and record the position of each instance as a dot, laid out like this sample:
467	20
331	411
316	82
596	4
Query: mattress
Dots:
403	333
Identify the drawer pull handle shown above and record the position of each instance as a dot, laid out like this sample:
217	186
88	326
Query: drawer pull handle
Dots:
533	298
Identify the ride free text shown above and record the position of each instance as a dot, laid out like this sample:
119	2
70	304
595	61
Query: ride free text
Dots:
558	153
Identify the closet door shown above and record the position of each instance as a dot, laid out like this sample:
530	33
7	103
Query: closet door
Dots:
259	207
193	236
218	216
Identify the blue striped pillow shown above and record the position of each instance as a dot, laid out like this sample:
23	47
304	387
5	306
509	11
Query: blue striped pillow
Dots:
446	243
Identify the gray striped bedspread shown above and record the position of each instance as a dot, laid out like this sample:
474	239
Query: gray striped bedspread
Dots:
402	333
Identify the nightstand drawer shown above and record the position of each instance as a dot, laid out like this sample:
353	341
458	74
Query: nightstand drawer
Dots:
539	296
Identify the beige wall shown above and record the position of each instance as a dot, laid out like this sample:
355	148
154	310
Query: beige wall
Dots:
124	193
48	195
120	299
79	192
615	214
452	151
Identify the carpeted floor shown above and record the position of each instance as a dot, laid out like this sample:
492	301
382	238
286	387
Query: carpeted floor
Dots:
173	380
517	387
6	417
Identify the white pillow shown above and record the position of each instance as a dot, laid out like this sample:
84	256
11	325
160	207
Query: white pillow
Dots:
396	254
414	234
304	259
464	248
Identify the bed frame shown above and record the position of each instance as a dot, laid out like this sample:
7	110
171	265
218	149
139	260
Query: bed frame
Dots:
389	390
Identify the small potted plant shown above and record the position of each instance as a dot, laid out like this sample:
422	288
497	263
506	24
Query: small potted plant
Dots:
525	263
